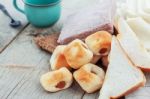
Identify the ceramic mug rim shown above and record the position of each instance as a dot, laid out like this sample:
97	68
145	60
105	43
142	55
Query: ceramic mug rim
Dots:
36	5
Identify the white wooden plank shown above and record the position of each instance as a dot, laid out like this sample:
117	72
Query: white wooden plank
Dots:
23	51
142	93
91	96
19	60
10	78
31	89
25	54
7	33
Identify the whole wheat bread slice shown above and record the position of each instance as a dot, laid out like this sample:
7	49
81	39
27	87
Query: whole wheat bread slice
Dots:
121	76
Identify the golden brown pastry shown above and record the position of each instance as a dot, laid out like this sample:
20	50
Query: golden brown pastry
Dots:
95	59
90	77
105	61
99	43
57	80
77	54
58	59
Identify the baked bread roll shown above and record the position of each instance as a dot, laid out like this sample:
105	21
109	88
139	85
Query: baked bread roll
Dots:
99	43
57	80
58	59
105	61
90	77
77	54
95	59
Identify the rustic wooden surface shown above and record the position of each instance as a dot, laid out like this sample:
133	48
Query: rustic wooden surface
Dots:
8	34
22	62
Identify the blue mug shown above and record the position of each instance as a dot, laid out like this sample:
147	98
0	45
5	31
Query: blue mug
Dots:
40	2
43	15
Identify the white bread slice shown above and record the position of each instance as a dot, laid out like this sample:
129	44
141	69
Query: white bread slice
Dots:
132	46
121	76
142	30
141	12
147	6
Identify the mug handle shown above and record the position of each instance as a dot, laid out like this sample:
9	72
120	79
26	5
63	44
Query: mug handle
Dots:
16	6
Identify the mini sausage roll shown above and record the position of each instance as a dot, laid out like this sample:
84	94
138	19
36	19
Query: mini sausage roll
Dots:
99	43
58	59
90	77
95	59
105	60
57	80
77	54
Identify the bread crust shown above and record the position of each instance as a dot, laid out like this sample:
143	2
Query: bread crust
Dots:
107	27
141	82
131	90
119	37
144	69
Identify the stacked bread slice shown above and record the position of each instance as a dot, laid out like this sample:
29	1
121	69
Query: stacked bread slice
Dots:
132	46
127	58
122	76
142	30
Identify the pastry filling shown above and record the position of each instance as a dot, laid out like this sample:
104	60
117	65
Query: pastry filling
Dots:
61	84
103	51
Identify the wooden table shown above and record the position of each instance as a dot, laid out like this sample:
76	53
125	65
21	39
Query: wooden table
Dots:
22	62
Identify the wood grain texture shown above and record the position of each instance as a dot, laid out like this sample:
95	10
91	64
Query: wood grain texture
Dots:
7	34
91	96
24	63
142	93
10	78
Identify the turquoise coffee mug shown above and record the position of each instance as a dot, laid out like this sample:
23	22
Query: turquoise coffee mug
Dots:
40	2
41	15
